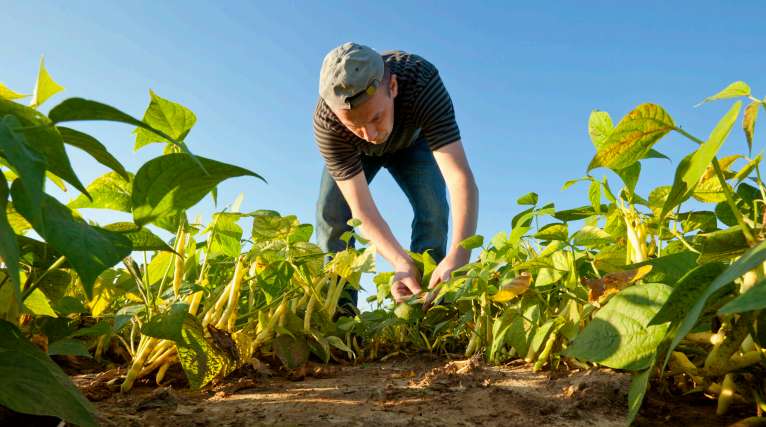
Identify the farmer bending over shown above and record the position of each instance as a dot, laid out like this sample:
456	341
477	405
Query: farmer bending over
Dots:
391	110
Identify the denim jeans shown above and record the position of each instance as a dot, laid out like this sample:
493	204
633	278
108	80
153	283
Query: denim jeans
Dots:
415	170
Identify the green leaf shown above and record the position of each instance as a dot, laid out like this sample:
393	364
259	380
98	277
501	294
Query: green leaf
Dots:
143	239
611	259
91	146
319	346
301	234
732	91
633	137
71	305
752	299
693	166
748	122
353	222
600	126
575	181
275	279
608	192
616	337
521	332
749	168
629	176
268	227
97	330
578	213
704	221
553	232
45	139
473	242
69	347
541	336
528	199
710	191
34	384
548	209
591	236
44	88
90	250
594	195
654	154
124	315
9	248
688	289
78	109
751	259
167	325
723	245
9	94
25	162
173	183
168	117
201	360
668	269
637	392
337	343
109	191
293	352
38	305
227	235
158	267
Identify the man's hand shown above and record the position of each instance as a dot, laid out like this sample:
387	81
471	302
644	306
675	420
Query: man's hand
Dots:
406	282
442	273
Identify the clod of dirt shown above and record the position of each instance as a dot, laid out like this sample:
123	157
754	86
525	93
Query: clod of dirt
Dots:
242	384
103	385
461	373
161	398
596	388
307	370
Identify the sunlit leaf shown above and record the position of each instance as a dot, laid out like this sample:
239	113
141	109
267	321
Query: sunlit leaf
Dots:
692	167
613	283
143	239
528	199
173	119
90	250
686	292
173	183
748	122
44	88
732	91
600	126
9	94
516	287
594	195
633	137
109	191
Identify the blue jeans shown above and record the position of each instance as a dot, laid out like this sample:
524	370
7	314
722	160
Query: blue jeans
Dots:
415	170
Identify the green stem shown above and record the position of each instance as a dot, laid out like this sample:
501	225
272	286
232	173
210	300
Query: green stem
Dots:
745	230
26	293
33	127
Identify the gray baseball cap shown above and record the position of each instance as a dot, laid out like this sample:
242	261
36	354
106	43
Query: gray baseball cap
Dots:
350	75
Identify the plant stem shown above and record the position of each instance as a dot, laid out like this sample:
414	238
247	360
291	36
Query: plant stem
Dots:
26	293
725	187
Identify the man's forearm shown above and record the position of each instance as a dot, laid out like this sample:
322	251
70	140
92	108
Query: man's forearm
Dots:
464	197
375	229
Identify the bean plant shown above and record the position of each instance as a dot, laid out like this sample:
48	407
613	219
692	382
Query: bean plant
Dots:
648	285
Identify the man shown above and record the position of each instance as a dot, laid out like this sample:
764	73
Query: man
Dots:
391	110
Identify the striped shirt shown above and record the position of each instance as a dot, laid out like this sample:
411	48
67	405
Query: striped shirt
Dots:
422	108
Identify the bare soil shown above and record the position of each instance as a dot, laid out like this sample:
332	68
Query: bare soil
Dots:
417	391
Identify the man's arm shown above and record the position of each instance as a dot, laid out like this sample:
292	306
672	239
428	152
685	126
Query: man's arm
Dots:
464	201
374	228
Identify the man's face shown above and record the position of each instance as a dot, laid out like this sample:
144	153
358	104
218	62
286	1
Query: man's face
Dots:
373	119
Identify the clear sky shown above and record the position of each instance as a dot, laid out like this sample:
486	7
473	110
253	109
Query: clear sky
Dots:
523	76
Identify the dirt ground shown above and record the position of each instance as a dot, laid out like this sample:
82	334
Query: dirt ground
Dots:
417	391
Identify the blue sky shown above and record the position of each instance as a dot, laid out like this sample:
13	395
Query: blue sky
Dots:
523	80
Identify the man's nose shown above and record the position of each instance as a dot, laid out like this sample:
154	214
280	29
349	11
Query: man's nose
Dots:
370	133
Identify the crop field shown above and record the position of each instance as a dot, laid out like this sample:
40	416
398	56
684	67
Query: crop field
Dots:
629	310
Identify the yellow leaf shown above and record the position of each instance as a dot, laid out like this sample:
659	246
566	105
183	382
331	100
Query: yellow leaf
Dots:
44	88
9	94
517	287
613	283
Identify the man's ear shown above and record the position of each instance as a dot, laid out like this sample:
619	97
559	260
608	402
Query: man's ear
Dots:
394	86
